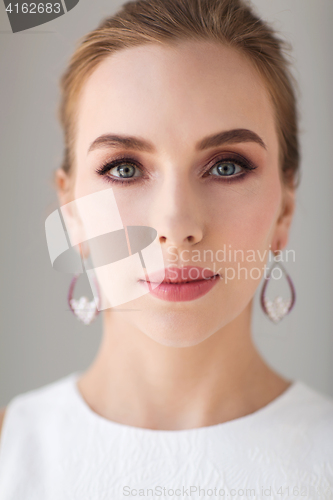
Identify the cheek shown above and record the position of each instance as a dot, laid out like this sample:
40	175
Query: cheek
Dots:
245	216
243	220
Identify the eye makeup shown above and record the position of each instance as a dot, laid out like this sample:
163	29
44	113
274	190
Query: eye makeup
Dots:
105	168
231	158
225	158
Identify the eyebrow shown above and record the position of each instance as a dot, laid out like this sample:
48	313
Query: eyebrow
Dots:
129	142
230	136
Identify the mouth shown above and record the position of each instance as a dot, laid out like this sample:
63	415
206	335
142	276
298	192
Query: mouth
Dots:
181	284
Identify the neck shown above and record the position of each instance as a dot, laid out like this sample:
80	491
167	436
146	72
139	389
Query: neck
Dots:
136	381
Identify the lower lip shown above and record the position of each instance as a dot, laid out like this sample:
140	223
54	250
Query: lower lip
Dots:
182	292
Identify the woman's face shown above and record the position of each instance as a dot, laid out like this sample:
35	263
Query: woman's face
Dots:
203	171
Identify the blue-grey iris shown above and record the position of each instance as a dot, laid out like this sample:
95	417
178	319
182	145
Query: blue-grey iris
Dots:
126	170
226	168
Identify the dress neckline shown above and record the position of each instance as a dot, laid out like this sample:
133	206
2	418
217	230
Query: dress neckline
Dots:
259	414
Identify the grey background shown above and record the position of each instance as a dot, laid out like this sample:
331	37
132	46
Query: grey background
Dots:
40	340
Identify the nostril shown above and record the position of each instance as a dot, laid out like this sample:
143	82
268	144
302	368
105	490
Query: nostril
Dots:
189	239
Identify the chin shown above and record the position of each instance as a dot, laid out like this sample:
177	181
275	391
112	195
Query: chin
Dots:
178	328
183	324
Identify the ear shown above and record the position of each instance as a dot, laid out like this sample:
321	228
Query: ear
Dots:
64	186
283	223
65	191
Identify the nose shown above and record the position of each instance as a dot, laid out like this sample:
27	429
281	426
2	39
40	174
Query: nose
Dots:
177	214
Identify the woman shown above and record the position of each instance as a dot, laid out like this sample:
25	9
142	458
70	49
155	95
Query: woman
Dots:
179	116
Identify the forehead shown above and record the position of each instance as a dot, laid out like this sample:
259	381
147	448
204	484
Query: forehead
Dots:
174	95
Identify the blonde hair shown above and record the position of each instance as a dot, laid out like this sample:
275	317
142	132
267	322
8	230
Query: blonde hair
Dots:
230	22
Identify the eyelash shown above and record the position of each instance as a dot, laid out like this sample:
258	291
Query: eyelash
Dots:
108	165
238	160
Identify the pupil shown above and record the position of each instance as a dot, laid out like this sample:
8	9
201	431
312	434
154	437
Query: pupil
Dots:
126	170
226	168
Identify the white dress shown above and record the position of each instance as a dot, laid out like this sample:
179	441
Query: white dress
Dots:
54	447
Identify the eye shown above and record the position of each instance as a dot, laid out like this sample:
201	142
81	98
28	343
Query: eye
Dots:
124	171
225	169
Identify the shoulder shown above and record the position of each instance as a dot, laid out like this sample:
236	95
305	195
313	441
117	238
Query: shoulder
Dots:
308	406
297	423
313	404
306	421
34	424
2	416
31	409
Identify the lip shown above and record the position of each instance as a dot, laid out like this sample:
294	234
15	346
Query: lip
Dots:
181	284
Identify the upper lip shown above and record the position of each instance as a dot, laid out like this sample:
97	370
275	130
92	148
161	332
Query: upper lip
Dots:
181	274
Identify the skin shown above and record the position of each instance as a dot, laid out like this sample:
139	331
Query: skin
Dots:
180	365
